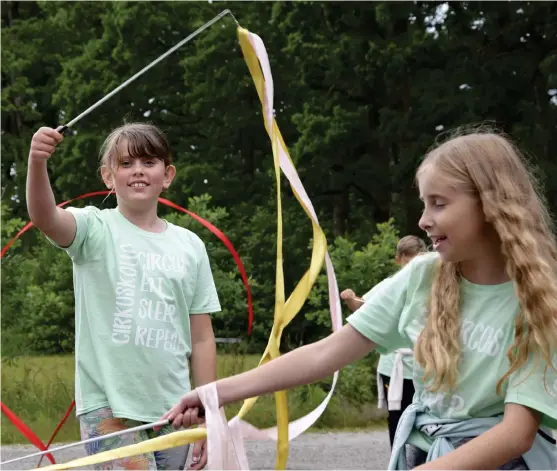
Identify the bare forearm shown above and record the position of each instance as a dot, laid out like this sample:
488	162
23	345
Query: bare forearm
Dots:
490	450
301	366
304	365
204	362
56	223
298	367
41	204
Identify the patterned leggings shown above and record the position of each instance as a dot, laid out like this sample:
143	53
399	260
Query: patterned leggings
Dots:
101	422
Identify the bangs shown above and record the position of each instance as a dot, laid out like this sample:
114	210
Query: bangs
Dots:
140	148
142	141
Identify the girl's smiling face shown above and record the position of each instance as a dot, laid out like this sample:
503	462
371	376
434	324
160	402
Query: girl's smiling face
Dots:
138	180
452	217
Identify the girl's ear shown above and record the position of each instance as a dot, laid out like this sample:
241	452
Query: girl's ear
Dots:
108	177
169	175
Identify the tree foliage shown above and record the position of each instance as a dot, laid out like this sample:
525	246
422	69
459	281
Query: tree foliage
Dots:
362	90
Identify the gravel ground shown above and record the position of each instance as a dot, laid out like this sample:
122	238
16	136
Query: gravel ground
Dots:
362	450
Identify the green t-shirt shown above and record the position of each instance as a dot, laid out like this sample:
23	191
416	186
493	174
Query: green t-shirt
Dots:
386	362
394	316
134	293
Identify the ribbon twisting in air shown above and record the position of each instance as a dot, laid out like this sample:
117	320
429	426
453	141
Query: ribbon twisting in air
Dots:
257	60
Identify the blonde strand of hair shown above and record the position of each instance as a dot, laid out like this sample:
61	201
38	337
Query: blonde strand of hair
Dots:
438	346
534	279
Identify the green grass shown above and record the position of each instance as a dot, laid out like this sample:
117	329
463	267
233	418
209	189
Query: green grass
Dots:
40	389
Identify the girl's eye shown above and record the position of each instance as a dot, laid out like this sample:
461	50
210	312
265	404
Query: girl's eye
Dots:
124	163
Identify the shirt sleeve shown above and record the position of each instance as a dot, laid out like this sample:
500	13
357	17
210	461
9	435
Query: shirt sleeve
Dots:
379	318
535	386
206	298
366	296
89	229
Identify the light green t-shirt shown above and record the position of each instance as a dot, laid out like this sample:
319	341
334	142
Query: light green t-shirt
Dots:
134	293
386	362
394	316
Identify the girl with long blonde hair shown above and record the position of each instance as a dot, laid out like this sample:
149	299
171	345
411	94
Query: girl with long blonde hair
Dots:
480	313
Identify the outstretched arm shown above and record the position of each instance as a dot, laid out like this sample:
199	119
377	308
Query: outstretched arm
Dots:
304	365
56	223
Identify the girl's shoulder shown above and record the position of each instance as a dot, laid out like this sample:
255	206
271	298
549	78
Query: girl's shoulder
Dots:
89	210
92	214
185	235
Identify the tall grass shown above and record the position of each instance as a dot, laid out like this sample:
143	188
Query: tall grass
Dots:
40	389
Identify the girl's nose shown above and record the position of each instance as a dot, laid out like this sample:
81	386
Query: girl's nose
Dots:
137	167
425	221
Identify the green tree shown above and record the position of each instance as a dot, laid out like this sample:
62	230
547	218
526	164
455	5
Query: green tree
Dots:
362	91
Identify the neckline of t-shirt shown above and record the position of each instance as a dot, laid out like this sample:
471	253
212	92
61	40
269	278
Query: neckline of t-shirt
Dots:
468	286
143	232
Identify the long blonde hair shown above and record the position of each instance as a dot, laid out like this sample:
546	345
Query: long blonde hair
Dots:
489	166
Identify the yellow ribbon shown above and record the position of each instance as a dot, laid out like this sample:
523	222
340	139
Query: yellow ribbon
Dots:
172	440
284	312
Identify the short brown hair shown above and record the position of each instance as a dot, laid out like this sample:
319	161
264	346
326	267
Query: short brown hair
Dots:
144	140
409	246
